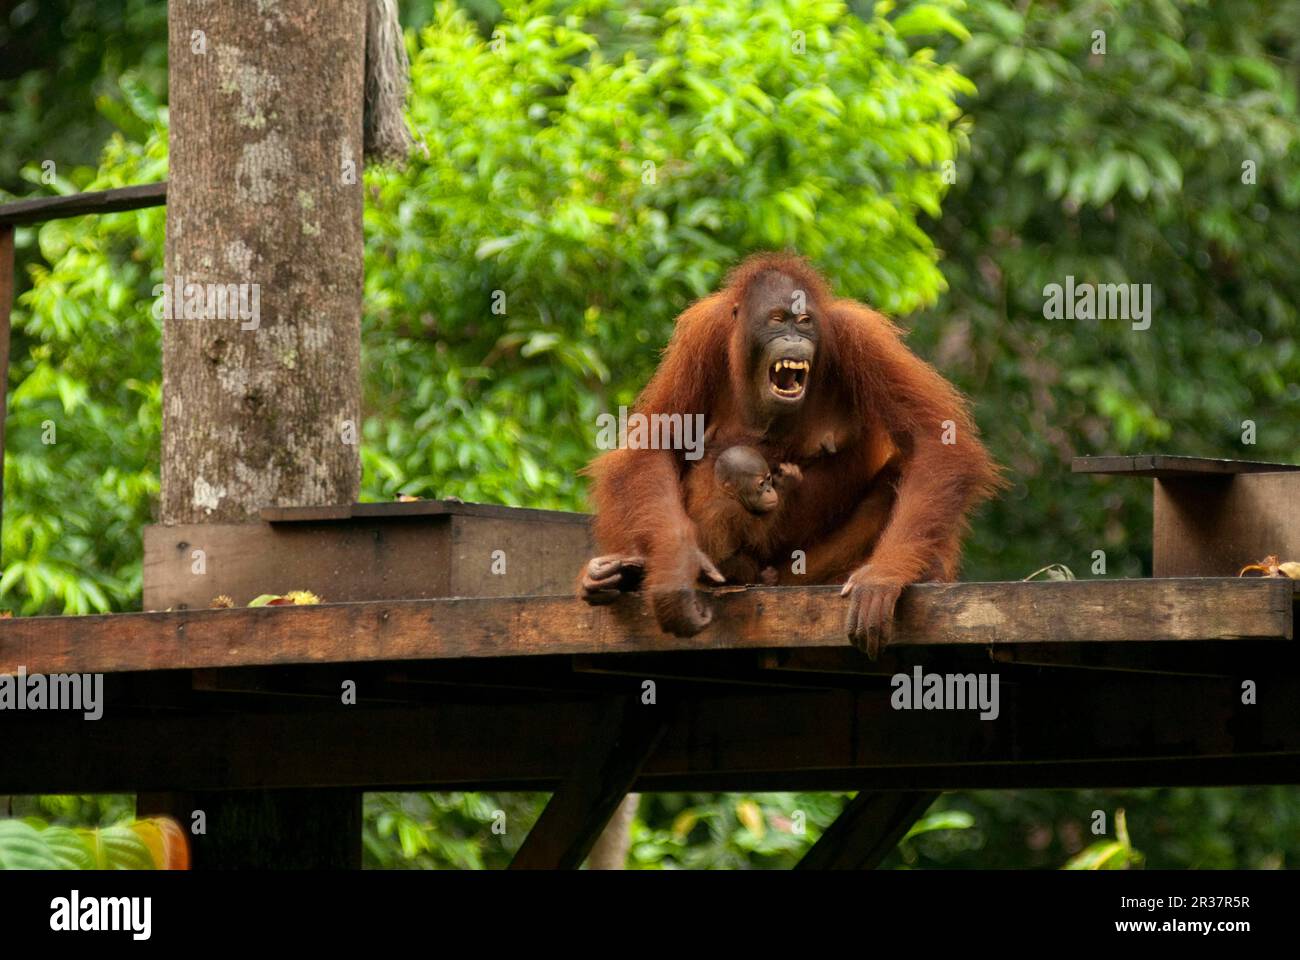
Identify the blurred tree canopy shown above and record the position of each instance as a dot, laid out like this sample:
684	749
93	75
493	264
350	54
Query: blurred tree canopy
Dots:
1120	167
598	164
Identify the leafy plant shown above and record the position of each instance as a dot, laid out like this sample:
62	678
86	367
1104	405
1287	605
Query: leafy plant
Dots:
1117	854
572	199
156	843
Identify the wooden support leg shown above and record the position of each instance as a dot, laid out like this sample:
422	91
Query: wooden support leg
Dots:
266	829
867	829
564	834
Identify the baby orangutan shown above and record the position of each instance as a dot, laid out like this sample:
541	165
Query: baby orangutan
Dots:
734	500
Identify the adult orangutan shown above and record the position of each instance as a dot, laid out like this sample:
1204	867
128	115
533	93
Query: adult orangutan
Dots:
891	460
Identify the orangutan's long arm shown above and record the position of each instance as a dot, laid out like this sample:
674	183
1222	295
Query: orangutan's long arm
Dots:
641	519
944	469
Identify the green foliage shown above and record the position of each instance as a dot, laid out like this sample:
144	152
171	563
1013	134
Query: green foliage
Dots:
432	831
83	429
1174	828
1117	854
732	831
71	809
1122	167
600	193
34	845
69	70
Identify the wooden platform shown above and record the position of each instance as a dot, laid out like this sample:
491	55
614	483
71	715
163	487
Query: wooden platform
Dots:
1100	683
790	618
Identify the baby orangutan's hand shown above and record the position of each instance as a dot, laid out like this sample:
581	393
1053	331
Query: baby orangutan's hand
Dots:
787	476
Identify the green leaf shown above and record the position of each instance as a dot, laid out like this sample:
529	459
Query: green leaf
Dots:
1108	178
68	847
928	18
1006	62
117	848
490	248
23	848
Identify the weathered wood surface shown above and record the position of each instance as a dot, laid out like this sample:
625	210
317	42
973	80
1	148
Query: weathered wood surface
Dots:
39	209
753	618
1160	465
388	557
338	562
415	508
1214	529
1113	731
534	557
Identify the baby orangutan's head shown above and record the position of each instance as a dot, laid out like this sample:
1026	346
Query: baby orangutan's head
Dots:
743	473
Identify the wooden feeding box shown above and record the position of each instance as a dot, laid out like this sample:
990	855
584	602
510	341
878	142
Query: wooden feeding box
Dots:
367	551
1212	517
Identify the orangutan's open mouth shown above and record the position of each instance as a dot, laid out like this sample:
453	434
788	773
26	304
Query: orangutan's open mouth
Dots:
788	378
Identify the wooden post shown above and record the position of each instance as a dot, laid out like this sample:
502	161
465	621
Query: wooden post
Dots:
261	341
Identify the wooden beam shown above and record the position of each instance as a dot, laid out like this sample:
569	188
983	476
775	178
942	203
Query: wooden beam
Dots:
415	508
1118	729
39	209
604	771
745	618
1159	465
867	830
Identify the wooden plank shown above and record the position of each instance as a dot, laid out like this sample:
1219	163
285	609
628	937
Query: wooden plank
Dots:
745	618
416	508
350	559
625	735
39	209
7	289
1213	530
517	555
867	830
1160	465
805	739
187	565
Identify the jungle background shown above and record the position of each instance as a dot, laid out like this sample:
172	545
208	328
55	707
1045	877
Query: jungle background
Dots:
605	162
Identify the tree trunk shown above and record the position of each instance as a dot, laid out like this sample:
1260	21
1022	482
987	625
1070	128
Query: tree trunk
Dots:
261	408
261	392
612	846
